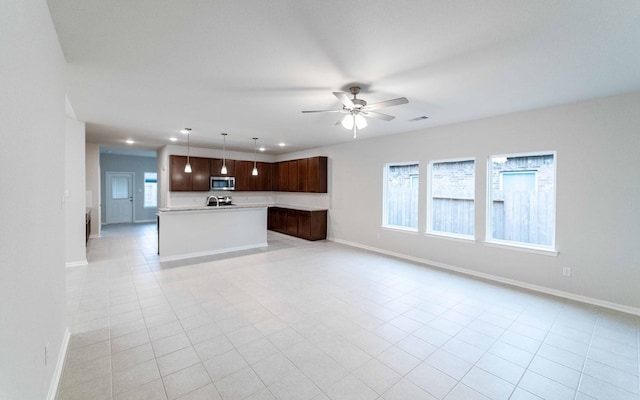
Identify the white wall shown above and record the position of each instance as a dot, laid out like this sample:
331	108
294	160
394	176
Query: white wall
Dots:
75	192
32	181
92	163
598	187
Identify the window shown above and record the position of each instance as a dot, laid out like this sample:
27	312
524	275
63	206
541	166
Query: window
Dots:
521	203
119	187
451	197
401	196
150	189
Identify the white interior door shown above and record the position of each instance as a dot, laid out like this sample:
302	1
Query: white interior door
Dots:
119	197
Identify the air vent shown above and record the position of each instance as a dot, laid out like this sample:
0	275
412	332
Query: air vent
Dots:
418	118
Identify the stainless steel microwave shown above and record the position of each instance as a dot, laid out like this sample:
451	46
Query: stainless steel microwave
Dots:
223	183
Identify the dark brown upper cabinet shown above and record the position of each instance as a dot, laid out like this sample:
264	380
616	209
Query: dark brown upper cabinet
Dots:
293	176
303	171
179	181
244	180
316	175
200	174
282	177
302	175
196	181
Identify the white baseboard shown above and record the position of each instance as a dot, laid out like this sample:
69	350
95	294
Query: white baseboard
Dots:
57	373
72	264
94	236
144	221
211	252
512	282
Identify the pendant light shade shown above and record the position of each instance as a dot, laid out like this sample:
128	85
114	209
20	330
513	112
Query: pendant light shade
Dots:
187	168
254	172
223	170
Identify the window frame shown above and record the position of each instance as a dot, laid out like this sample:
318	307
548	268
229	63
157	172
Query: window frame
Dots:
144	187
429	220
531	247
385	175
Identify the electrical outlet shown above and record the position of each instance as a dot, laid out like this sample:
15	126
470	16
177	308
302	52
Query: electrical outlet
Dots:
46	354
566	271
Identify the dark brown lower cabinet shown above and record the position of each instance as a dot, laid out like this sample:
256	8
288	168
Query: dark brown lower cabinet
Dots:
310	225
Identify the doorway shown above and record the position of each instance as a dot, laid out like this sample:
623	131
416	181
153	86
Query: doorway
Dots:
119	197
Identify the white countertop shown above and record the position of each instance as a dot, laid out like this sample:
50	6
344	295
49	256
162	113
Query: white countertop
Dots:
236	206
301	208
208	208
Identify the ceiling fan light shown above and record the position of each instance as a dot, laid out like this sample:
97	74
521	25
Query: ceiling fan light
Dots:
347	122
361	122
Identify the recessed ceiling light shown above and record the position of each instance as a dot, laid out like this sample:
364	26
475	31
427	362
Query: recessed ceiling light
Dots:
130	141
281	144
173	139
185	130
262	149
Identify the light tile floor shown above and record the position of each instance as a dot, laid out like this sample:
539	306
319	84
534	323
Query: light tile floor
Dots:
318	320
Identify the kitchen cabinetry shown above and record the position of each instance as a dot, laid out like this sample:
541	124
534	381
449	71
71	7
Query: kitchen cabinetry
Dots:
310	225
303	175
244	180
248	182
265	176
196	181
292	184
179	181
282	177
87	220
316	175
303	170
201	172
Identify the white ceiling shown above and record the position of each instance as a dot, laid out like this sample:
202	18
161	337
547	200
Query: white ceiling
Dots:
144	69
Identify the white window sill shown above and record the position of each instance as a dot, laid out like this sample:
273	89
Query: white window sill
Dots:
450	236
400	229
522	247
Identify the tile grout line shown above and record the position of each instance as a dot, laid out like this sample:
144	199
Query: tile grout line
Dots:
586	357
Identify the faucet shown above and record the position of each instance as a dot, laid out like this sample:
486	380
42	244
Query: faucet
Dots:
215	198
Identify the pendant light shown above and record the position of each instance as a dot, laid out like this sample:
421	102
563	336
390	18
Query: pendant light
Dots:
255	169
187	168
223	170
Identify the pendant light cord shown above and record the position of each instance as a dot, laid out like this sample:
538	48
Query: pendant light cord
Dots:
224	149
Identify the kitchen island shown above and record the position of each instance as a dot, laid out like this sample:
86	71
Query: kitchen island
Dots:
187	232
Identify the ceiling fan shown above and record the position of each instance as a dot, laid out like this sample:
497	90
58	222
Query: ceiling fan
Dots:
357	109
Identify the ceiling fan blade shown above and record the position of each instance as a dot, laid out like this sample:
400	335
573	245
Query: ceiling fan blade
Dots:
378	115
318	111
344	99
387	103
